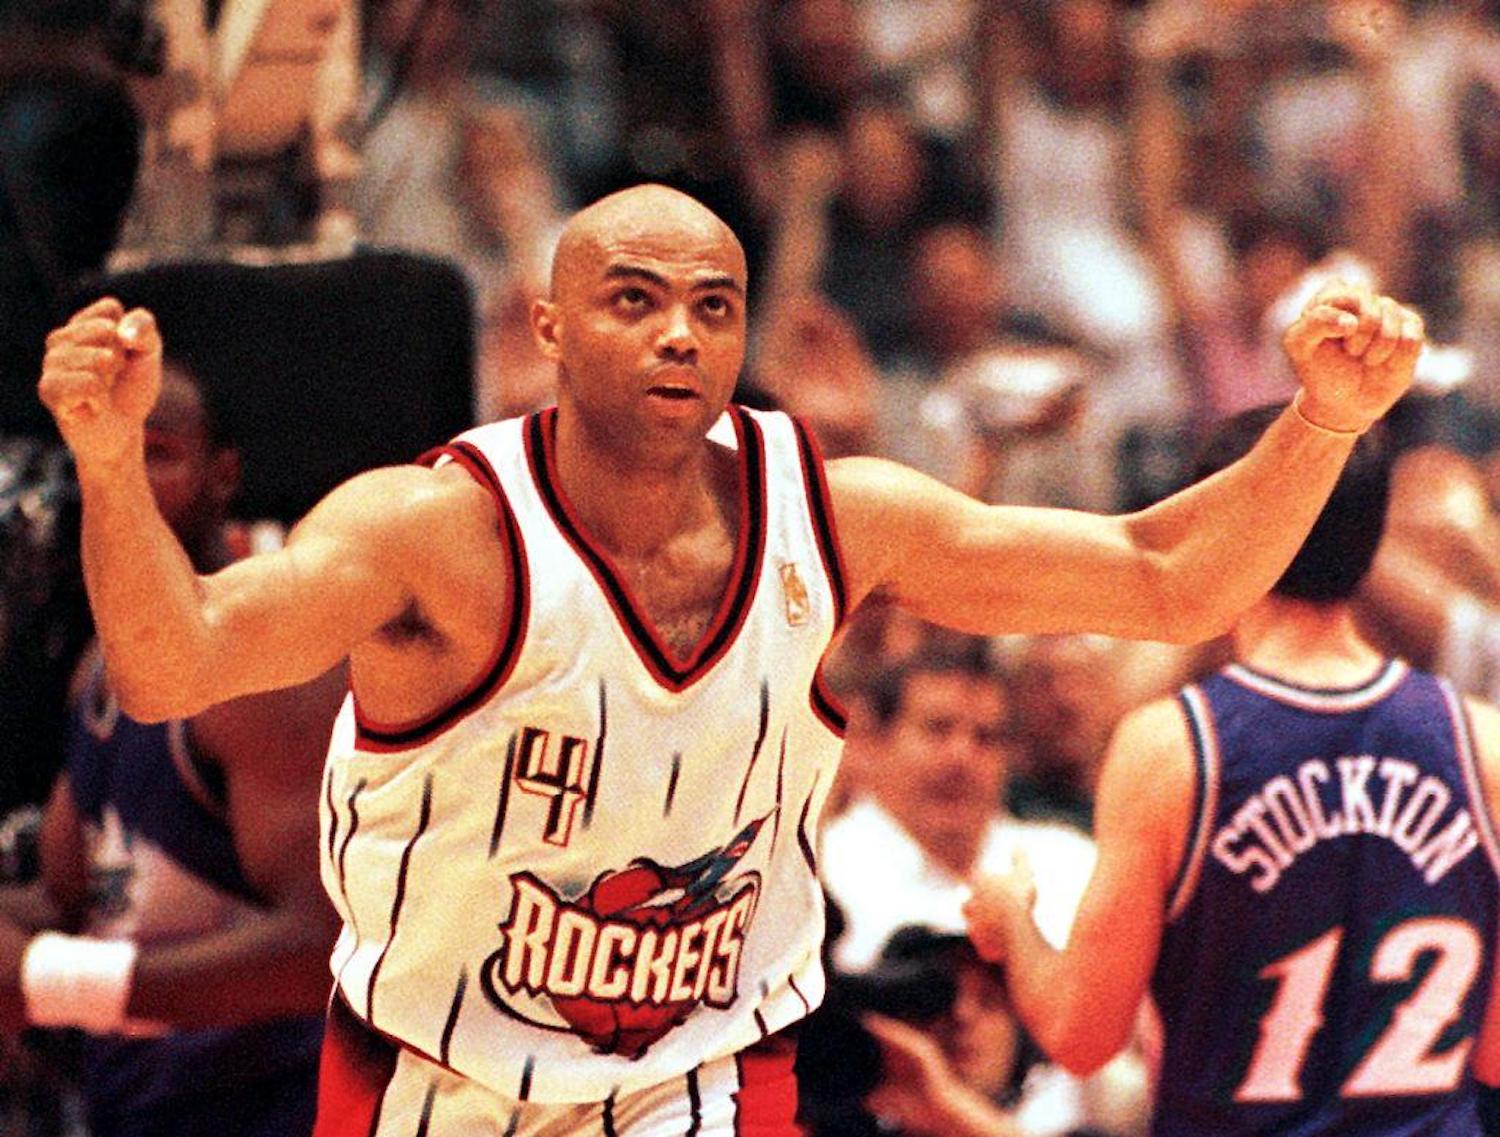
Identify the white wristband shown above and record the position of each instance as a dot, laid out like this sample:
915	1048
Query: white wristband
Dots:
77	981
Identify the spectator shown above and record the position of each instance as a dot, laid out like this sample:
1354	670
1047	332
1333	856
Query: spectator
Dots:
1059	149
448	170
926	1045
691	106
852	205
1000	396
1433	593
184	853
1070	691
69	151
933	814
811	360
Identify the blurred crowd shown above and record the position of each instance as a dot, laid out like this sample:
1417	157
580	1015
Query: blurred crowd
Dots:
1034	248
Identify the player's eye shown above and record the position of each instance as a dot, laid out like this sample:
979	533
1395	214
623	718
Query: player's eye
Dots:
632	298
716	305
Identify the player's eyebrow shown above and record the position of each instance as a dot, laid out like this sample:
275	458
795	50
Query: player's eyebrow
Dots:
726	282
638	272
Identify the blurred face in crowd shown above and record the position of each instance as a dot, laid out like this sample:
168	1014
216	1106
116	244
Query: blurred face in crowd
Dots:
646	322
945	757
1268	268
979	1034
1087	57
191	477
883	167
811	357
819	42
955	289
434	34
1067	701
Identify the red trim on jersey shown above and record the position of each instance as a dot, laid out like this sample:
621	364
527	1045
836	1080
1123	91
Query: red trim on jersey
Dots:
744	575
766	1102
386	737
820	509
826	705
354	1069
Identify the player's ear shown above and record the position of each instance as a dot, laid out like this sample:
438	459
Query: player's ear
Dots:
546	323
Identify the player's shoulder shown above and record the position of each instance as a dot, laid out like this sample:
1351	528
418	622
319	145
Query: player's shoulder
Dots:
1484	727
1483	714
411	487
1156	729
414	501
1484	724
1150	761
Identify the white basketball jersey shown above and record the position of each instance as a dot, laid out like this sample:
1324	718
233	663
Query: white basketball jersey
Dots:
595	870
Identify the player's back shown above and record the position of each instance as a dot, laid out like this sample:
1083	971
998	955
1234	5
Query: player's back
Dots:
1327	957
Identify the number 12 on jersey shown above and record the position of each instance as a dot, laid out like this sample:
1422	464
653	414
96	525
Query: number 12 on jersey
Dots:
1401	1060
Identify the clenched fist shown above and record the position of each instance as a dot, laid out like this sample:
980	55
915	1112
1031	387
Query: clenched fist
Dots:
100	379
995	903
1354	353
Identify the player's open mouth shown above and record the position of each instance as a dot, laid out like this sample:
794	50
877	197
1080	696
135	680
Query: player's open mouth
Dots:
678	394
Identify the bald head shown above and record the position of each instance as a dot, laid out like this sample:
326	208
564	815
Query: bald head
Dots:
645	215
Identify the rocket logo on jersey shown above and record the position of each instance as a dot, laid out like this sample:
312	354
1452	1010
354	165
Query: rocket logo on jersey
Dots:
628	960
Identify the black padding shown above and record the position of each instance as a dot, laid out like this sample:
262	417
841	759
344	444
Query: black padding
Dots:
320	370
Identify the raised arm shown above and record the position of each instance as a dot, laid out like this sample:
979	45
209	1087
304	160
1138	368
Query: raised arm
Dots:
1180	570
1081	1003
175	642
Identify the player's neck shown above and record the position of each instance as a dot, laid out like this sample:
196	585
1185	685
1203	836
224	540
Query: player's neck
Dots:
1312	645
634	507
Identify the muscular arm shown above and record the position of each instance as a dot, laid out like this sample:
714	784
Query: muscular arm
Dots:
1080	1004
272	961
1180	570
175	642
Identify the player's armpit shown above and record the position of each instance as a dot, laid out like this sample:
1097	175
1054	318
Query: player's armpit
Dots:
282	618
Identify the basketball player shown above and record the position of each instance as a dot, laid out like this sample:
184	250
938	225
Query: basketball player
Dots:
1298	855
184	851
570	803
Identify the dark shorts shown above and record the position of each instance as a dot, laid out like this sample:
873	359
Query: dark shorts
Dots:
282	1105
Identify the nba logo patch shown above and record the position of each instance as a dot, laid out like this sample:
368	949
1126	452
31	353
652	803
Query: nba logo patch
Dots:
794	593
